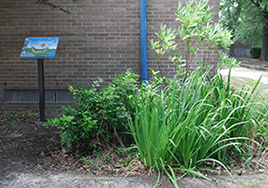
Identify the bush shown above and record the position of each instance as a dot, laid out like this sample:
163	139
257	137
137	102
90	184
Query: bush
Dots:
255	52
98	113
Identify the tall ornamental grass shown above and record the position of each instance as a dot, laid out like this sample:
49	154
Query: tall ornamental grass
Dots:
185	123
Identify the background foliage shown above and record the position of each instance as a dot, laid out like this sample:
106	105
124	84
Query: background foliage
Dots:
247	19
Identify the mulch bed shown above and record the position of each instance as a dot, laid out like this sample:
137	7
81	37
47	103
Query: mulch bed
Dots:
23	139
26	145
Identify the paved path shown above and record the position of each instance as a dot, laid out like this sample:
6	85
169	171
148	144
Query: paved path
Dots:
247	73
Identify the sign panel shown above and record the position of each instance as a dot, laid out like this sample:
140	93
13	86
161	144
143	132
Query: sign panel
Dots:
39	48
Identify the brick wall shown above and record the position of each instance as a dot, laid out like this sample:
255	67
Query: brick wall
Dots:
99	39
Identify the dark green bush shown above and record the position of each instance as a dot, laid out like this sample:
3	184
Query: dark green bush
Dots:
255	52
98	114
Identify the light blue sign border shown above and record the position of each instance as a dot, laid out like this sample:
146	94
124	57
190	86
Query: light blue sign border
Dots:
39	48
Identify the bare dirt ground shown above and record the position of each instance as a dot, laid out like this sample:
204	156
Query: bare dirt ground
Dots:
31	155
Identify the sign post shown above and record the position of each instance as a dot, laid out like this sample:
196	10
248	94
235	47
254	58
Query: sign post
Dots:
40	48
41	86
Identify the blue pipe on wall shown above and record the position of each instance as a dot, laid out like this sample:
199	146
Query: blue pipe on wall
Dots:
143	34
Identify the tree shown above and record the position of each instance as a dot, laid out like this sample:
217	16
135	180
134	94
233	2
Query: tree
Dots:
196	31
248	21
230	13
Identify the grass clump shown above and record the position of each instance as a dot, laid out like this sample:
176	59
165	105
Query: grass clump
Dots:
188	122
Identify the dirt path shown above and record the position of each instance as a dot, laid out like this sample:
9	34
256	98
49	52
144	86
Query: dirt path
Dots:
51	179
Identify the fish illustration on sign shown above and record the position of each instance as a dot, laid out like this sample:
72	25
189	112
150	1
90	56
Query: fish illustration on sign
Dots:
37	50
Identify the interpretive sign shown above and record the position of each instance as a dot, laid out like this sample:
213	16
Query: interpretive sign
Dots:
39	47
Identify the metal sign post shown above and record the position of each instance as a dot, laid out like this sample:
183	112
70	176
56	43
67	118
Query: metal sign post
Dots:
40	48
41	86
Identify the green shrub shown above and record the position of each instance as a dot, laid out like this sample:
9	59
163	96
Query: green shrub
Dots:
255	52
98	113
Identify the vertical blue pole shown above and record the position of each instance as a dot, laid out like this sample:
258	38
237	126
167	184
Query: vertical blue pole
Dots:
143	34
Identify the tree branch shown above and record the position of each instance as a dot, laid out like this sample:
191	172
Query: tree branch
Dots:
257	4
45	2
